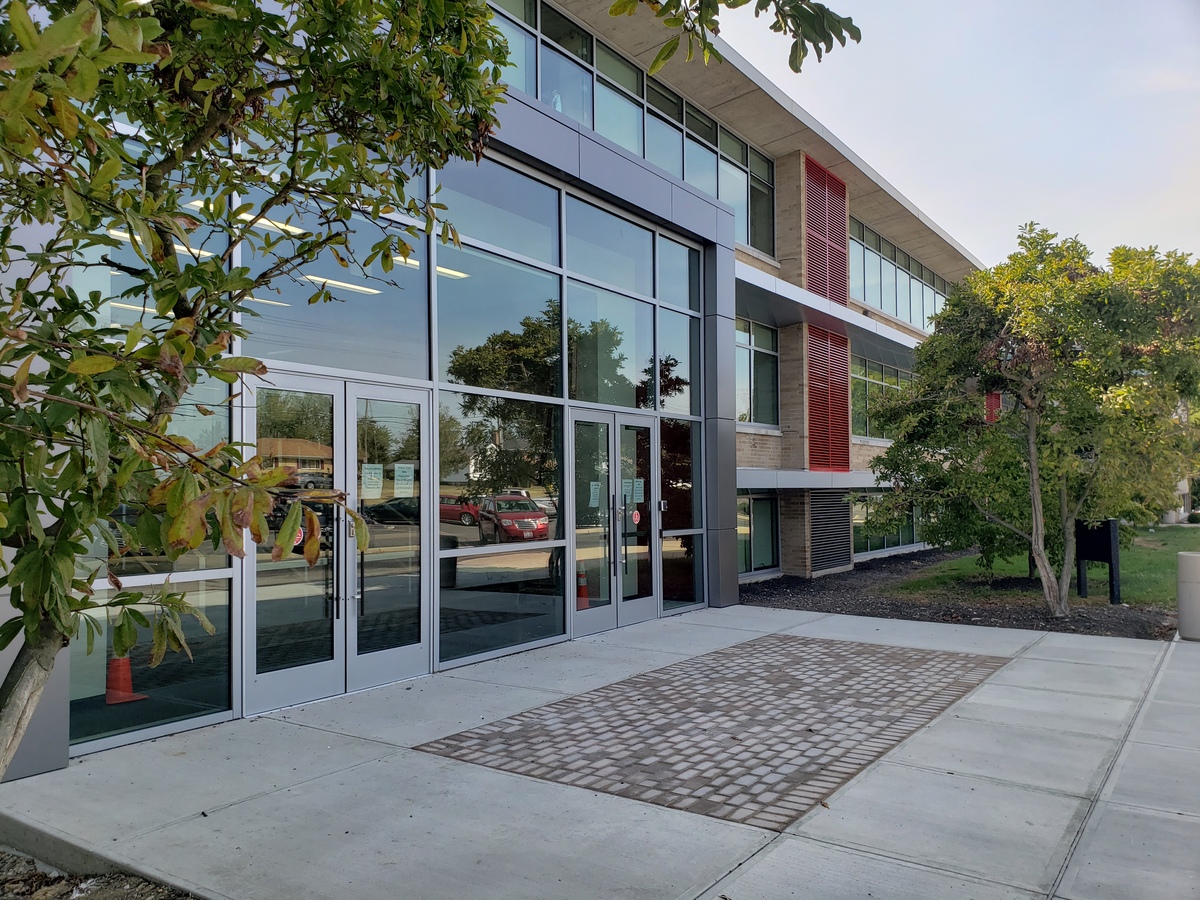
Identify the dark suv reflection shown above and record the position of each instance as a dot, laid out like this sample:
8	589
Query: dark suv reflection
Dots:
397	511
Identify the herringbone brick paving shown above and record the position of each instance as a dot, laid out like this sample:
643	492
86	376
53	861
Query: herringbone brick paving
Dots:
759	732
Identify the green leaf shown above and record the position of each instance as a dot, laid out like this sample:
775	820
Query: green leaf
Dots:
623	7
10	630
285	538
664	54
126	34
243	364
92	365
22	26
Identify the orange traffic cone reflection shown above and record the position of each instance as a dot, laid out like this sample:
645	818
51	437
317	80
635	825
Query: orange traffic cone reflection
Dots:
119	688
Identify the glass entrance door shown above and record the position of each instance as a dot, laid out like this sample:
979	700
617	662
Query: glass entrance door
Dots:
615	518
355	619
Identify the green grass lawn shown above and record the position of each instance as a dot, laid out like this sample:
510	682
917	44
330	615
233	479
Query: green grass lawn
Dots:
1147	574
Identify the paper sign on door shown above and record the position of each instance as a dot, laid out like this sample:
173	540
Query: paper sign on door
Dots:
594	496
404	477
639	490
626	489
370	481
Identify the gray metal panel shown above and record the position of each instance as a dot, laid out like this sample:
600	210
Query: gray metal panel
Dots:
609	169
720	281
725	226
47	742
720	472
693	213
832	534
719	399
720	554
872	346
534	134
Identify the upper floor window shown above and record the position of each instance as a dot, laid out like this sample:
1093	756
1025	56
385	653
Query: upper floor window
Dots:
757	368
885	277
868	382
558	61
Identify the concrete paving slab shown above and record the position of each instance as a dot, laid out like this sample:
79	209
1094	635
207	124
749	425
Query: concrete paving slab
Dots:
1034	757
663	635
108	796
1170	724
983	829
1126	853
574	667
1185	657
1131	646
1063	713
1106	651
1076	678
923	635
1163	778
764	619
1177	686
416	711
800	869
418	826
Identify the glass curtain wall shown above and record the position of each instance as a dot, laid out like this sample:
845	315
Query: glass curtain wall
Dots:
549	300
868	382
908	533
885	277
756	366
593	84
757	532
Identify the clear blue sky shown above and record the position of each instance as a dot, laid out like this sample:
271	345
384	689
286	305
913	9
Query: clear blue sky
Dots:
1083	115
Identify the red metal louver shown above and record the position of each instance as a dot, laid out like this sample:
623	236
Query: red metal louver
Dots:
992	407
826	233
828	401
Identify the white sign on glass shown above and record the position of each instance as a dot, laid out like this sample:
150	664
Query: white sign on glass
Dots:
639	490
404	475
594	496
370	481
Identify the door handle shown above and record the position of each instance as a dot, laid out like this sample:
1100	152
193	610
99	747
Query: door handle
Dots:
615	530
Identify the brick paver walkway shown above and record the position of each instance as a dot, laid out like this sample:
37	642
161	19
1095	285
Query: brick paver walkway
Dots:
759	732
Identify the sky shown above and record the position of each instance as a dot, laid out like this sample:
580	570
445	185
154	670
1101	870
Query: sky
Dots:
1081	115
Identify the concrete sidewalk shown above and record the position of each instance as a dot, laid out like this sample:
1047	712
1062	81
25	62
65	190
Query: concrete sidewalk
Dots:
1073	771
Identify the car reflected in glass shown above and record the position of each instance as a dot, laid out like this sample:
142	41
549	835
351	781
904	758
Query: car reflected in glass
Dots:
511	517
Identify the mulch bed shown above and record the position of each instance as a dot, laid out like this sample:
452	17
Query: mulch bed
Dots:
21	877
865	592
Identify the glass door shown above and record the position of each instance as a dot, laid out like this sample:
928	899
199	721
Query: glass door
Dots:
354	619
614	516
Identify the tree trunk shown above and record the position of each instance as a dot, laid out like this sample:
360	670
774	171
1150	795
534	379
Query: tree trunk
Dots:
1068	525
23	686
1056	600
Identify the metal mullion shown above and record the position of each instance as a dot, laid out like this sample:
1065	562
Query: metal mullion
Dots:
511	255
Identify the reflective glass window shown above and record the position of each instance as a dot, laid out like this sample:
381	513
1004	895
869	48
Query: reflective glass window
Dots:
929	294
678	274
521	71
525	10
887	283
610	341
500	470
618	117
761	167
497	205
734	190
665	101
680	447
733	147
498	323
375	321
619	69
741	390
664	145
858	407
902	294
916	302
765	400
858	288
566	33
762	216
871	276
701	125
764	534
566	86
764	337
683	570
678	362
700	166
609	248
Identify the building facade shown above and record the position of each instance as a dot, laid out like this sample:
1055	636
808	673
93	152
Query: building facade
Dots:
646	374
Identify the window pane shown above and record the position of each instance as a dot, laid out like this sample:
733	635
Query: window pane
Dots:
874	395
175	690
858	407
678	274
916	302
610	347
741	329
665	101
743	534
664	146
683	571
888	287
859	518
929	295
741	365
609	248
762	217
858	366
858	288
700	166
376	322
766	389
875	370
498	323
566	86
618	118
733	147
566	33
871	262
764	337
525	10
701	125
620	70
856	229
760	167
734	188
902	292
500	600
496	447
521	71
764	534
494	204
680	442
678	362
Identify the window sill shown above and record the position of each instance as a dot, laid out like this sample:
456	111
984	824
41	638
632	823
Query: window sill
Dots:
755	428
870	441
759	255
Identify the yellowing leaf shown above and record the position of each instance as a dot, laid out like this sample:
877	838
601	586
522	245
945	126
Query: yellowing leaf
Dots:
91	365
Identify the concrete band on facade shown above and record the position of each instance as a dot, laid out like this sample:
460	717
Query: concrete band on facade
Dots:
761	509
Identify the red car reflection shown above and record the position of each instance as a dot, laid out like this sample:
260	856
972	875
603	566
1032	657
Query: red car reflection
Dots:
457	509
510	517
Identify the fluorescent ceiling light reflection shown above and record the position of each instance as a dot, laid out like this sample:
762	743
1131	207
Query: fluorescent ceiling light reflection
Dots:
329	282
266	302
179	248
138	309
441	270
265	224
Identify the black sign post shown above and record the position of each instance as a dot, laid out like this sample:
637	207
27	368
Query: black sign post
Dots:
1098	543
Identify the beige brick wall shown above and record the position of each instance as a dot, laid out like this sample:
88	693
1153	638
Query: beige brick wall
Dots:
792	397
793	533
789	220
861	455
753	259
758	451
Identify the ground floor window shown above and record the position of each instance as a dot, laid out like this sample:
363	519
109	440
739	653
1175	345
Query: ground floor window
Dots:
865	542
757	532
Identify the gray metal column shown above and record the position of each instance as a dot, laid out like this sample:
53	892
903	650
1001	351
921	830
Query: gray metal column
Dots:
720	457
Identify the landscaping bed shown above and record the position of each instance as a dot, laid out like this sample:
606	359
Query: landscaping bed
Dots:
936	586
20	876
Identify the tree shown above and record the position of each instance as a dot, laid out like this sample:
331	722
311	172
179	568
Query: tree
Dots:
151	139
1088	370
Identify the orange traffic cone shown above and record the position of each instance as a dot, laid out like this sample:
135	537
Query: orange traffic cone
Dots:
582	601
119	688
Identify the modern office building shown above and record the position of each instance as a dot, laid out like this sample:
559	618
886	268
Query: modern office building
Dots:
647	374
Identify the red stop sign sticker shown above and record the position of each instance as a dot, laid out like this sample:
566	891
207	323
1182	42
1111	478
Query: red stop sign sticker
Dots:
637	517
299	538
